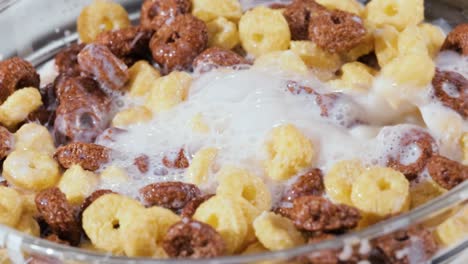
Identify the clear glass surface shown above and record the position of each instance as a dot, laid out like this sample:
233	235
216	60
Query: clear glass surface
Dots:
37	29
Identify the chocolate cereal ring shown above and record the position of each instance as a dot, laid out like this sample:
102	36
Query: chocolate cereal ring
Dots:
451	89
175	46
457	40
156	13
298	14
447	173
336	30
16	73
66	60
216	56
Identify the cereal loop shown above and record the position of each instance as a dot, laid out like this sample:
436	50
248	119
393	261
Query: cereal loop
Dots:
337	31
16	73
66	60
451	89
217	57
457	40
156	13
193	239
298	14
88	155
175	46
310	183
171	195
447	173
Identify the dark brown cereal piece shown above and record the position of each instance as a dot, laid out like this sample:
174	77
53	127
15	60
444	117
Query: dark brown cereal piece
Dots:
413	138
175	46
171	195
6	142
310	183
99	62
66	60
16	73
298	14
457	40
336	30
88	155
127	43
387	248
447	173
277	6
457	86
190	208
314	213
83	110
180	162
215	56
59	215
295	88
91	198
323	256
142	163
156	13
4	183
56	239
193	239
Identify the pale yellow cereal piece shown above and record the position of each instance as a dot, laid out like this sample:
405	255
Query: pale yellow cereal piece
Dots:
250	212
87	245
255	248
381	191
397	13
339	180
19	105
29	204
355	76
289	151
351	6
286	61
114	175
454	229
198	171
434	37
424	191
31	170
35	137
77	184
132	116
386	44
316	58
199	125
164	218
139	233
412	40
28	225
237	182
11	206
4	258
142	77
100	16
263	30
415	70
169	91
222	33
464	145
208	10
363	48
225	215
276	232
102	220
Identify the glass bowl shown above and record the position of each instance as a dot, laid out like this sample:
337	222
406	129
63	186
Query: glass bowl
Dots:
36	30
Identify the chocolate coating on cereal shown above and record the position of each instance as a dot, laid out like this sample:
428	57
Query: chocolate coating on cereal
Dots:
171	195
6	142
179	162
88	155
156	13
66	60
16	73
413	138
215	56
457	40
54	208
458	85
142	163
193	239
100	63
310	183
190	208
336	31
387	247
314	213
175	46
298	14
127	44
82	113
447	173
